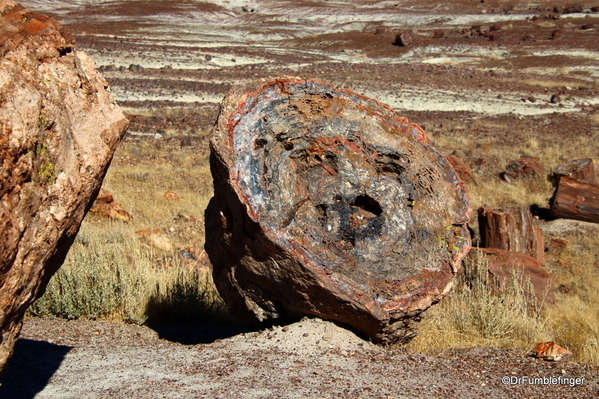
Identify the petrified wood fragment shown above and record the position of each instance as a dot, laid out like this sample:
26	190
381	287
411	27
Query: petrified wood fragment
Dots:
511	229
59	128
581	169
524	167
575	199
329	204
506	265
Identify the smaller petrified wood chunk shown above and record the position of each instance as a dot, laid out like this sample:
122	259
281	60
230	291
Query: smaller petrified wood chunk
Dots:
503	265
575	199
328	204
581	169
511	229
461	169
525	167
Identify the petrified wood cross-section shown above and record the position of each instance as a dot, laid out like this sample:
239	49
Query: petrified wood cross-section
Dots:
327	203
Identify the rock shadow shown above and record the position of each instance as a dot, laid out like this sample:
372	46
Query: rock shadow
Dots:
30	368
541	213
188	334
191	314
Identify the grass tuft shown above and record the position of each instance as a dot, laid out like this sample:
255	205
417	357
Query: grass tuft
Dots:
476	313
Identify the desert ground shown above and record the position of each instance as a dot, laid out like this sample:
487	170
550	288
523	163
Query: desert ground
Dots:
488	80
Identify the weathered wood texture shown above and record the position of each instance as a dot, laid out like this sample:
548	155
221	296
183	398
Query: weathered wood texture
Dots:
328	204
505	266
527	167
575	199
581	169
511	229
461	168
59	128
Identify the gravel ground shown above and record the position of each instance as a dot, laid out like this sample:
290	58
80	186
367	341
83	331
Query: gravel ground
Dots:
308	359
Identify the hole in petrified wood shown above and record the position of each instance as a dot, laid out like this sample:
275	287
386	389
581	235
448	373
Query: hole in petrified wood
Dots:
369	205
260	143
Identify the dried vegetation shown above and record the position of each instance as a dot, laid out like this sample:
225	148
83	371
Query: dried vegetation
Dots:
113	274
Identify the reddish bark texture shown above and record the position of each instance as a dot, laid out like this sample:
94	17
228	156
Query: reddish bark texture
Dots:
581	169
575	199
503	265
511	229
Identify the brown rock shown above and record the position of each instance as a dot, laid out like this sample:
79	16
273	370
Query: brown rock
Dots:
573	8
557	244
551	351
105	206
566	289
170	195
558	34
461	169
524	167
157	239
104	196
438	34
327	203
502	265
111	210
54	154
403	39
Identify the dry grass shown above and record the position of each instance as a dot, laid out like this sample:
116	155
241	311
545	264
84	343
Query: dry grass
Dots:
471	315
475	314
574	320
113	274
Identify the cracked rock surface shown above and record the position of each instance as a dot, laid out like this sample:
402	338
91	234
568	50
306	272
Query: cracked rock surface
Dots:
58	131
328	203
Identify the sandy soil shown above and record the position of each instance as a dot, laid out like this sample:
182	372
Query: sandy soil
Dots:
490	71
308	359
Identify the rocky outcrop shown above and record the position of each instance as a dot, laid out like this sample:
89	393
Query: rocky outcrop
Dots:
329	204
58	131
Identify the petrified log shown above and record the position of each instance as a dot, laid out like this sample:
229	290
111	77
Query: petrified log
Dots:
581	169
327	203
58	130
511	229
574	199
503	265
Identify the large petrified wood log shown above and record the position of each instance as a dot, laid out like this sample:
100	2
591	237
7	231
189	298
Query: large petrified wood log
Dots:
581	169
327	203
511	229
58	130
574	199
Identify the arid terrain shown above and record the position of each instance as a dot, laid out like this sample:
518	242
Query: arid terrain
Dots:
488	80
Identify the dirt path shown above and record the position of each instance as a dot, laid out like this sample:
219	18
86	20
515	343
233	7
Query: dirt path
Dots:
308	359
